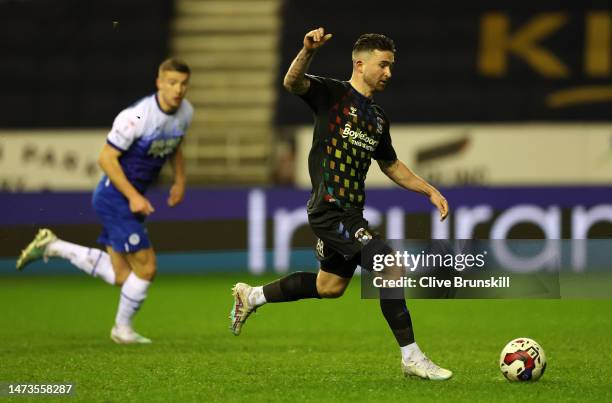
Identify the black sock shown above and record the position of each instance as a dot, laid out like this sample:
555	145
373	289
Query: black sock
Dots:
397	315
298	285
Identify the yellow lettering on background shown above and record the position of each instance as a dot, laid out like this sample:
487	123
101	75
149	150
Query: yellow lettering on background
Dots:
496	43
598	49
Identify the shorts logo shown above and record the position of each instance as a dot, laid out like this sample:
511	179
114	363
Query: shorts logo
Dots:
134	239
320	248
363	235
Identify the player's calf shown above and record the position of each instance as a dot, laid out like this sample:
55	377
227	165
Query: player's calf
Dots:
46	244
133	294
330	293
330	285
295	286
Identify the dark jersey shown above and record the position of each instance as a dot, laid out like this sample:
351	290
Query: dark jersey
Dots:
349	131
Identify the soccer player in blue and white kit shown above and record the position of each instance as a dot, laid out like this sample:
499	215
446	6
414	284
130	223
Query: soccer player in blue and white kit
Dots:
143	137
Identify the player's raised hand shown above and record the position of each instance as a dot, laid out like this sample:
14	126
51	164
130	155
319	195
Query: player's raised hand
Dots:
140	205
177	193
316	38
441	204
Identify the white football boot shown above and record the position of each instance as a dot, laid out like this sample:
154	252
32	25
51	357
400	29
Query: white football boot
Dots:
36	249
422	367
241	309
124	334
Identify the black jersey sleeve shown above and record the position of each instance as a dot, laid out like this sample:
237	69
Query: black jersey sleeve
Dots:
385	151
319	93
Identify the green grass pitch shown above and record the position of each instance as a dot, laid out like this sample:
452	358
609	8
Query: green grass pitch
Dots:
55	329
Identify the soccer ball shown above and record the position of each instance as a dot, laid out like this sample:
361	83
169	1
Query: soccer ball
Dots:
522	360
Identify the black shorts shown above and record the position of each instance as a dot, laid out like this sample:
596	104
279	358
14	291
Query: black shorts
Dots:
338	250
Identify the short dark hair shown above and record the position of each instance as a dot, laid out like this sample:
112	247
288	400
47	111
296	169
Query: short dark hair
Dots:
174	64
372	42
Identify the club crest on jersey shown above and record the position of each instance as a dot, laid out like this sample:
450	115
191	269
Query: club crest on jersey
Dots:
353	111
379	125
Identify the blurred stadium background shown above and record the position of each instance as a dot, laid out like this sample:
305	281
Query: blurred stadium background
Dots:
506	106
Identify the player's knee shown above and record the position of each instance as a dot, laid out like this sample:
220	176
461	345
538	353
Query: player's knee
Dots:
144	264
147	272
121	276
122	270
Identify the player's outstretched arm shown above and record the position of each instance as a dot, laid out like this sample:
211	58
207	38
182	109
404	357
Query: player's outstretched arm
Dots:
109	162
295	82
177	191
399	173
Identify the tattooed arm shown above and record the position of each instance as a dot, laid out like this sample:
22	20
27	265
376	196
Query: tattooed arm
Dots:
295	82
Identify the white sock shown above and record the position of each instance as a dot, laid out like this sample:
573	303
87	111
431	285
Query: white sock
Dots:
411	352
94	262
133	294
257	297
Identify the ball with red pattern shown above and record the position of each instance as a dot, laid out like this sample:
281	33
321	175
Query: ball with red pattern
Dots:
522	359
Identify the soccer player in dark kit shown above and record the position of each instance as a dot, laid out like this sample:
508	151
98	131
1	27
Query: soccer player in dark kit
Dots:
350	129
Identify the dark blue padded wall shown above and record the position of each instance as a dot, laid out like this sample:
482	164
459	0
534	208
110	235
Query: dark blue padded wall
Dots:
65	63
437	77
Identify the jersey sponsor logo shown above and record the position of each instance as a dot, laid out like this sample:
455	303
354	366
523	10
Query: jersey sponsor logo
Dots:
359	138
162	147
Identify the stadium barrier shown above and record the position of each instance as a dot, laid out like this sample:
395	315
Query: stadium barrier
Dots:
492	154
266	229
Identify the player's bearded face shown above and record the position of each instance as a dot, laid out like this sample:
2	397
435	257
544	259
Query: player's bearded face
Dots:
172	86
377	69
